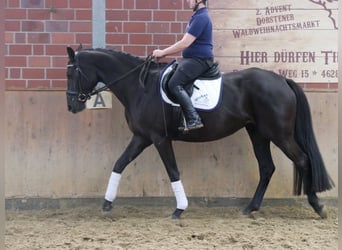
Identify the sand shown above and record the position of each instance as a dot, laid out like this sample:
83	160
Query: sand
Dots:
151	227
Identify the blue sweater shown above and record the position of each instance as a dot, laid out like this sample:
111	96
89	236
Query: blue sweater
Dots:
200	26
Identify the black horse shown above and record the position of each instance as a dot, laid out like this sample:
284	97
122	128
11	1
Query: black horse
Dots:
270	107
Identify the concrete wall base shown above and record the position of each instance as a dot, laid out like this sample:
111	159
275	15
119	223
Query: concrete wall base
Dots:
62	203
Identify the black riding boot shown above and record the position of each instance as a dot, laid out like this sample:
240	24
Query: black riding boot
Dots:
193	120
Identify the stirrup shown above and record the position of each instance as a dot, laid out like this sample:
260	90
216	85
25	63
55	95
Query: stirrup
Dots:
197	124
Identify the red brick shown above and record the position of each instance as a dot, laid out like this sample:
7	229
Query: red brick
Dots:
14	73
176	28
14	84
135	50
59	4
171	4
77	4
150	48
38	84
164	16
179	37
55	50
140	38
56	26
147	4
140	15
63	14
63	38
80	27
134	27
59	61
32	26
18	14
85	39
76	45
15	61
83	14
12	25
164	39
116	38
13	4
58	84
33	73
117	4
117	15
115	47
113	27
38	14
38	38
39	61
9	37
32	4
20	38
55	73
158	27
20	49
129	4
183	16
38	49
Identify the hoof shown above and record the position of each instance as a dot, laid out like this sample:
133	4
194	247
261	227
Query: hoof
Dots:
323	213
176	214
248	210
106	207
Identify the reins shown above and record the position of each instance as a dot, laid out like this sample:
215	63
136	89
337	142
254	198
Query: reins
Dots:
83	97
142	77
144	72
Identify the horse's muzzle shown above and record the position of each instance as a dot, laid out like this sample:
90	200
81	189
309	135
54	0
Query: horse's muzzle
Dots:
73	104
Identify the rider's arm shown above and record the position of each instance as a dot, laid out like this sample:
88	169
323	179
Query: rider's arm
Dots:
182	44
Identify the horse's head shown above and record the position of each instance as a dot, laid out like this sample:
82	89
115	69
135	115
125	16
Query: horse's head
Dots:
80	84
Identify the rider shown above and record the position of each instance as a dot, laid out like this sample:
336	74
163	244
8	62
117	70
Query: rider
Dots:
196	46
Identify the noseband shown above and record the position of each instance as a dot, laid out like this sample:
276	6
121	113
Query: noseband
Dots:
83	97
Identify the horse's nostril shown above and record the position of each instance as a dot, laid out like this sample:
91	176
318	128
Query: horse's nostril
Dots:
69	108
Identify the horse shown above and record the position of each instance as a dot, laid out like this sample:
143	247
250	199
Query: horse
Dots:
269	106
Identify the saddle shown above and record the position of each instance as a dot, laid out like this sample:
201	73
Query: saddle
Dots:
205	91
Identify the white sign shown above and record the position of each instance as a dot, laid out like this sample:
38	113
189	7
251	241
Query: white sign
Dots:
102	100
297	39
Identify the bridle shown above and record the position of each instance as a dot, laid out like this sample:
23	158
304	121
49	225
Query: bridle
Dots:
83	97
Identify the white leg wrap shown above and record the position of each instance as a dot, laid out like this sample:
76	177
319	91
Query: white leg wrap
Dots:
112	187
178	190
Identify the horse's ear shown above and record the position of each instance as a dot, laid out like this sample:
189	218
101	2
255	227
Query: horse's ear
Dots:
71	53
79	47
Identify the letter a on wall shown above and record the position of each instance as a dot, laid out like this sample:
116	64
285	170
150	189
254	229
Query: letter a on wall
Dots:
102	100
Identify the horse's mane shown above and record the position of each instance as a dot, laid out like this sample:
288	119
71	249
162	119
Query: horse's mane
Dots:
114	52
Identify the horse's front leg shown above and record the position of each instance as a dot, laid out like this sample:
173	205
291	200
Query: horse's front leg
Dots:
165	150
135	147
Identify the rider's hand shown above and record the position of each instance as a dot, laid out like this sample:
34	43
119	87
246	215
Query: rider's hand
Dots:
158	53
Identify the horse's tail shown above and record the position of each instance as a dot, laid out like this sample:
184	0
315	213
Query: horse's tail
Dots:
304	135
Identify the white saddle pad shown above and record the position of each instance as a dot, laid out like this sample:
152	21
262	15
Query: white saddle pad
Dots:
206	94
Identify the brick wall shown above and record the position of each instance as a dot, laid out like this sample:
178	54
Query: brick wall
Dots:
38	31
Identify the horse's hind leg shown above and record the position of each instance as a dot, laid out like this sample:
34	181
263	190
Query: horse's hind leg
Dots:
292	150
262	152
